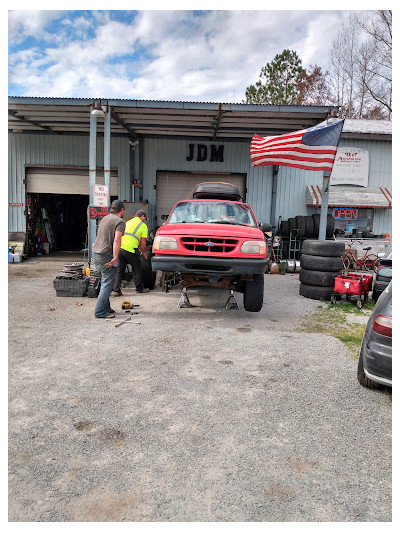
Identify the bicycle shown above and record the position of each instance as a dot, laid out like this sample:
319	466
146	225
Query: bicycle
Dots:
368	262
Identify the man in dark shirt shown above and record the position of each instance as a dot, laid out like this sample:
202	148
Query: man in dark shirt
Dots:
105	255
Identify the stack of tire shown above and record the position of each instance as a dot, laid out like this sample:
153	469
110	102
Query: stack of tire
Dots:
308	227
320	262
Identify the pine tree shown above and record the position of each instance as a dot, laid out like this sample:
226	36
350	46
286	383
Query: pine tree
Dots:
278	83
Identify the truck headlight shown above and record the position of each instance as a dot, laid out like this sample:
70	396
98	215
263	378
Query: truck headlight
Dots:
254	247
164	243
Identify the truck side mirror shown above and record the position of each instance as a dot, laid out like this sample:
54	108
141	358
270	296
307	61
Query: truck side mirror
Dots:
264	227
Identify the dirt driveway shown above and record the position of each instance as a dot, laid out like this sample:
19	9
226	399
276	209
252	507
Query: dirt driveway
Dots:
194	415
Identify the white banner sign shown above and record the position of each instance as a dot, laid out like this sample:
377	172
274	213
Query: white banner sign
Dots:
101	196
351	167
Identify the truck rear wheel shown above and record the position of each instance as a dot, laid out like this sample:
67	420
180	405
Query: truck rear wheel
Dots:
254	293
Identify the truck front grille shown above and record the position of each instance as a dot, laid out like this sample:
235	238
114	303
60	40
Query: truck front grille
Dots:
218	246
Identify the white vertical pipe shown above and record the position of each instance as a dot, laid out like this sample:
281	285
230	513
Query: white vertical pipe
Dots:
107	149
92	178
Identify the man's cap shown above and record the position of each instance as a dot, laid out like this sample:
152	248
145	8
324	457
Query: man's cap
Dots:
118	205
141	213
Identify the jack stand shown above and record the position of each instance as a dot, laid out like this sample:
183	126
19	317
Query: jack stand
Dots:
231	302
184	301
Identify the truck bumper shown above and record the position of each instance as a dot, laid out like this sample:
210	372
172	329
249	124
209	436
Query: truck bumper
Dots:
209	265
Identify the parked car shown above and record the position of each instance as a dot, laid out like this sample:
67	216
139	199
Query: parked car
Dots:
382	279
375	360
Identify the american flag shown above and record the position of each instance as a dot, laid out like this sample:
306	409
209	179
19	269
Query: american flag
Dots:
310	149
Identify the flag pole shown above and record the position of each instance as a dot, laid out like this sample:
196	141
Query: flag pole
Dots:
324	206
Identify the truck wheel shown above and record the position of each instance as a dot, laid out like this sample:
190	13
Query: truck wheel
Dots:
254	293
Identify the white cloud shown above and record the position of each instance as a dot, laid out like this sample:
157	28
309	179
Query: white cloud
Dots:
211	57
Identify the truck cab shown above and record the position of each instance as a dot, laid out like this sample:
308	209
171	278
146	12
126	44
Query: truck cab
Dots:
214	239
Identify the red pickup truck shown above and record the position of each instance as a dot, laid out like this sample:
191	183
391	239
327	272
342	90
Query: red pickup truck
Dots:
214	239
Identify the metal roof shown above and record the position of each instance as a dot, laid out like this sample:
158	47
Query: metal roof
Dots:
142	118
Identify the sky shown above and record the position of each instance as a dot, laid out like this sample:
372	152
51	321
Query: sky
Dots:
208	55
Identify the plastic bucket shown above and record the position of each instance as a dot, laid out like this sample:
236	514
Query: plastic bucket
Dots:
17	257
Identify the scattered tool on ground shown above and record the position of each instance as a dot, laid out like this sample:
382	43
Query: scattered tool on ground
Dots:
123	321
127	305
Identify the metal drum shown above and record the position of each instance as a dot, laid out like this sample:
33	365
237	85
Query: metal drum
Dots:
291	266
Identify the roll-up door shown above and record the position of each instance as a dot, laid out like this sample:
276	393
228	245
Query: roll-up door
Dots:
65	181
174	186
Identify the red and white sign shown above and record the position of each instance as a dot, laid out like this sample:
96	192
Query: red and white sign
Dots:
351	167
14	204
101	195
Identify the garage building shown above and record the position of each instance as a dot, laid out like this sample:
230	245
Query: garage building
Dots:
159	150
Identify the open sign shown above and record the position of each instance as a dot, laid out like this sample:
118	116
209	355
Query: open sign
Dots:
345	213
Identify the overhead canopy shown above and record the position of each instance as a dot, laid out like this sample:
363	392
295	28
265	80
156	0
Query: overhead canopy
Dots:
144	118
379	197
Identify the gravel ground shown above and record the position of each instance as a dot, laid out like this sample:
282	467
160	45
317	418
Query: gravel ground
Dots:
195	415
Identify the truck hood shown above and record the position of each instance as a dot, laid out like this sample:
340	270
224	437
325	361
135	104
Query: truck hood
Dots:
208	230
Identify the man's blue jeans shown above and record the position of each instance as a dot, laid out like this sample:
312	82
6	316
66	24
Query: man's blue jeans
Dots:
103	307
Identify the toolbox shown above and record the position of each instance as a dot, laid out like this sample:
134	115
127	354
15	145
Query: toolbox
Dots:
71	287
353	286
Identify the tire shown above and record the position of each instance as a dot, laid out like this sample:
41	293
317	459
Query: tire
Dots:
323	248
314	292
292	224
315	277
362	378
316	218
330	227
285	250
324	264
253	294
309	227
284	228
301	225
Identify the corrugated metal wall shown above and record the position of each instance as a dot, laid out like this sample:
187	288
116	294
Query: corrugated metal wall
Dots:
171	155
57	150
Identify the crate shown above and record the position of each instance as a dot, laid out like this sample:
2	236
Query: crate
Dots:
71	287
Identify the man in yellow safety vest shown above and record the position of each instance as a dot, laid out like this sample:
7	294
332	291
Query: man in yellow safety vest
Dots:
133	244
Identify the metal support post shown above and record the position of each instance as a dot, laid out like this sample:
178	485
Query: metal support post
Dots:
324	206
92	179
107	150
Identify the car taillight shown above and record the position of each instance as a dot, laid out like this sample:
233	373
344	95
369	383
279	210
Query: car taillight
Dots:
383	325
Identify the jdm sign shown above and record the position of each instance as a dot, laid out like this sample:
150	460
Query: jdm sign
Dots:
351	167
101	195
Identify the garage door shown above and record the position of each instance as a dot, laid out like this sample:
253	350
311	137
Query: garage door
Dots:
174	186
65	181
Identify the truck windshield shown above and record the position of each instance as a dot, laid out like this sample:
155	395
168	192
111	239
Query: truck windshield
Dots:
212	213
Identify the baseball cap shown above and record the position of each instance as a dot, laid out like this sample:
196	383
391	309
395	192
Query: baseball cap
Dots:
118	205
141	213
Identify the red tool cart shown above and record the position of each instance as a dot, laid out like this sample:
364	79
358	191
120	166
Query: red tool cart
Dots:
353	286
